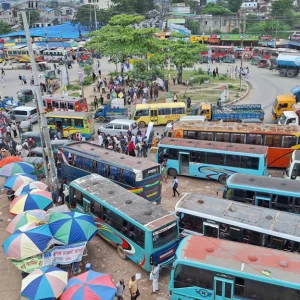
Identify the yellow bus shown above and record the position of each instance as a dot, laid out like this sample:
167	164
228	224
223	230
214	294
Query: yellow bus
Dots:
158	113
69	123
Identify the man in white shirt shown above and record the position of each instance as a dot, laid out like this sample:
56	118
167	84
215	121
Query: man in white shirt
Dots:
120	289
133	139
100	138
144	101
155	276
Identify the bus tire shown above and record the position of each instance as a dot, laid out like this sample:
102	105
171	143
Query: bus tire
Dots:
121	252
222	179
101	119
142	124
290	74
172	172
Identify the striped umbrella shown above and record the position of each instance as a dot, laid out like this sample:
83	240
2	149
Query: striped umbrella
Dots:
28	217
9	159
14	182
25	188
16	168
36	199
46	283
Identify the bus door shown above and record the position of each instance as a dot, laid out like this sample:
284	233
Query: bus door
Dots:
86	206
184	159
49	105
154	116
211	230
263	200
223	288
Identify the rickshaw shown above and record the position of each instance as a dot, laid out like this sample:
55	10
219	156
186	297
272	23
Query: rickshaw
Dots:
35	152
35	135
43	66
25	126
38	164
229	58
25	95
50	74
255	60
204	59
263	63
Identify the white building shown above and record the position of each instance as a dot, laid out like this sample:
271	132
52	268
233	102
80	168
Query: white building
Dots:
249	5
103	4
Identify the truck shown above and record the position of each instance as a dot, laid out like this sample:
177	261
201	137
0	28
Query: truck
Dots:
291	117
288	64
8	103
231	113
106	113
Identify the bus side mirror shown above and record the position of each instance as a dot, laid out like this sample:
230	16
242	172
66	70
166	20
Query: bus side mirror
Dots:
221	189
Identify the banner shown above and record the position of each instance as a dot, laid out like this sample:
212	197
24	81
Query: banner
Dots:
29	264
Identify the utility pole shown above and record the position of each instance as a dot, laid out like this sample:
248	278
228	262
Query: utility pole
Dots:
242	45
164	9
41	109
95	11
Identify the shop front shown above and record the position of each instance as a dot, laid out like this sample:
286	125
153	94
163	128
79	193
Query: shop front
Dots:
248	40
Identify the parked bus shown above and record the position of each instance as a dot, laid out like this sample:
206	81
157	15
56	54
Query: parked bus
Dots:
282	140
141	177
69	123
158	113
269	53
239	222
143	232
206	268
20	55
271	192
55	55
62	103
211	160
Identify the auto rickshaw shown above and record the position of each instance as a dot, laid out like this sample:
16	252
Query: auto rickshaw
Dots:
229	58
25	126
43	66
50	74
38	164
35	135
263	63
25	95
35	152
255	60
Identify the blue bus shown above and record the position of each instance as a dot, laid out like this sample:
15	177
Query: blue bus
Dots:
211	269
140	176
142	232
276	193
211	160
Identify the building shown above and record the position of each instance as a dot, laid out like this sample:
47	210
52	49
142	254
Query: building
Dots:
102	4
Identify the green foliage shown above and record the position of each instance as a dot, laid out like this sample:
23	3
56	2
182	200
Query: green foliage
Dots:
88	70
199	72
125	20
235	31
73	87
234	5
268	26
198	79
282	7
132	6
33	16
216	31
87	80
194	26
214	9
4	28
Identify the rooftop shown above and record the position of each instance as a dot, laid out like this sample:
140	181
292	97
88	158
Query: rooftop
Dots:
242	258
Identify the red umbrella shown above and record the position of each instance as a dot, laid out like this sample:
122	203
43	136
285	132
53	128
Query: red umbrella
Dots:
9	159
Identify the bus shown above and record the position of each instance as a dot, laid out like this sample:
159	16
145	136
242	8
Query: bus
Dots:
276	193
229	220
69	123
211	269
211	160
282	140
62	103
55	55
141	177
269	53
158	113
142	232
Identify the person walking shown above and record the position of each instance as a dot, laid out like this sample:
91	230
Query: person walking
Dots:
14	130
133	288
96	102
120	289
188	102
8	130
217	71
2	80
214	73
131	149
175	98
175	186
155	276
24	79
20	79
164	172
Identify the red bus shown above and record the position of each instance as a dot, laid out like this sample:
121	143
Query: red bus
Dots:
268	53
64	103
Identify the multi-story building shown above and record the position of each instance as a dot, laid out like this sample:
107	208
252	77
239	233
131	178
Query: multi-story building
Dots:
103	4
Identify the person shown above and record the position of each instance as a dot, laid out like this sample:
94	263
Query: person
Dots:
188	102
120	289
217	71
24	79
103	87
8	130
175	186
21	79
19	149
155	277
131	149
214	73
133	288
175	98
83	139
100	138
164	173
174	79
94	76
144	101
14	130
96	102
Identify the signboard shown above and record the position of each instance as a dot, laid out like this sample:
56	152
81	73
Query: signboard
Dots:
198	38
29	264
211	40
265	38
295	37
181	9
239	37
178	4
176	21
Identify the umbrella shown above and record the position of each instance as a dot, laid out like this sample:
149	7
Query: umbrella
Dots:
16	168
72	227
45	283
9	159
14	182
25	188
28	217
36	199
90	285
27	227
21	245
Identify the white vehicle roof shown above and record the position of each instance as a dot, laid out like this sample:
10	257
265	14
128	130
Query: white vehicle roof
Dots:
122	121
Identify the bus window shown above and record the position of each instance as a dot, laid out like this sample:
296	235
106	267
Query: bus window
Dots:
55	104
142	112
177	110
67	122
238	138
50	121
96	209
78	198
191	223
190	135
108	216
289	141
139	237
207	136
78	123
102	169
235	234
214	158
129	177
87	164
272	140
115	173
238	195
253	237
198	157
78	161
62	105
222	137
71	106
118	222
164	111
164	235
233	160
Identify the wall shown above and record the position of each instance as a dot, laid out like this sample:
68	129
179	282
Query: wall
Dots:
225	24
100	3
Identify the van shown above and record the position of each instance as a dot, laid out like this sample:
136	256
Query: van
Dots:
118	126
23	113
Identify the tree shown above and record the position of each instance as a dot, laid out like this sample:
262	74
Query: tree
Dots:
214	9
193	26
125	20
132	6
33	16
235	30
234	5
4	28
282	7
267	27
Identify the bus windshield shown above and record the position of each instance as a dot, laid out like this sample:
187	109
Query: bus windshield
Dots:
164	235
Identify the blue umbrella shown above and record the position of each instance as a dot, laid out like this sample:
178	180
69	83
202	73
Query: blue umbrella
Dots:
13	182
16	168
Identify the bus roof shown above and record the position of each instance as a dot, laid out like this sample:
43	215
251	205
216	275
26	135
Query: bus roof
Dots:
96	152
264	184
61	98
142	211
237	127
189	143
68	114
259	219
241	258
160	105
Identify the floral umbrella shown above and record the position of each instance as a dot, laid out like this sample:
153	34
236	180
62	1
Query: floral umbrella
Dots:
16	168
25	188
14	182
